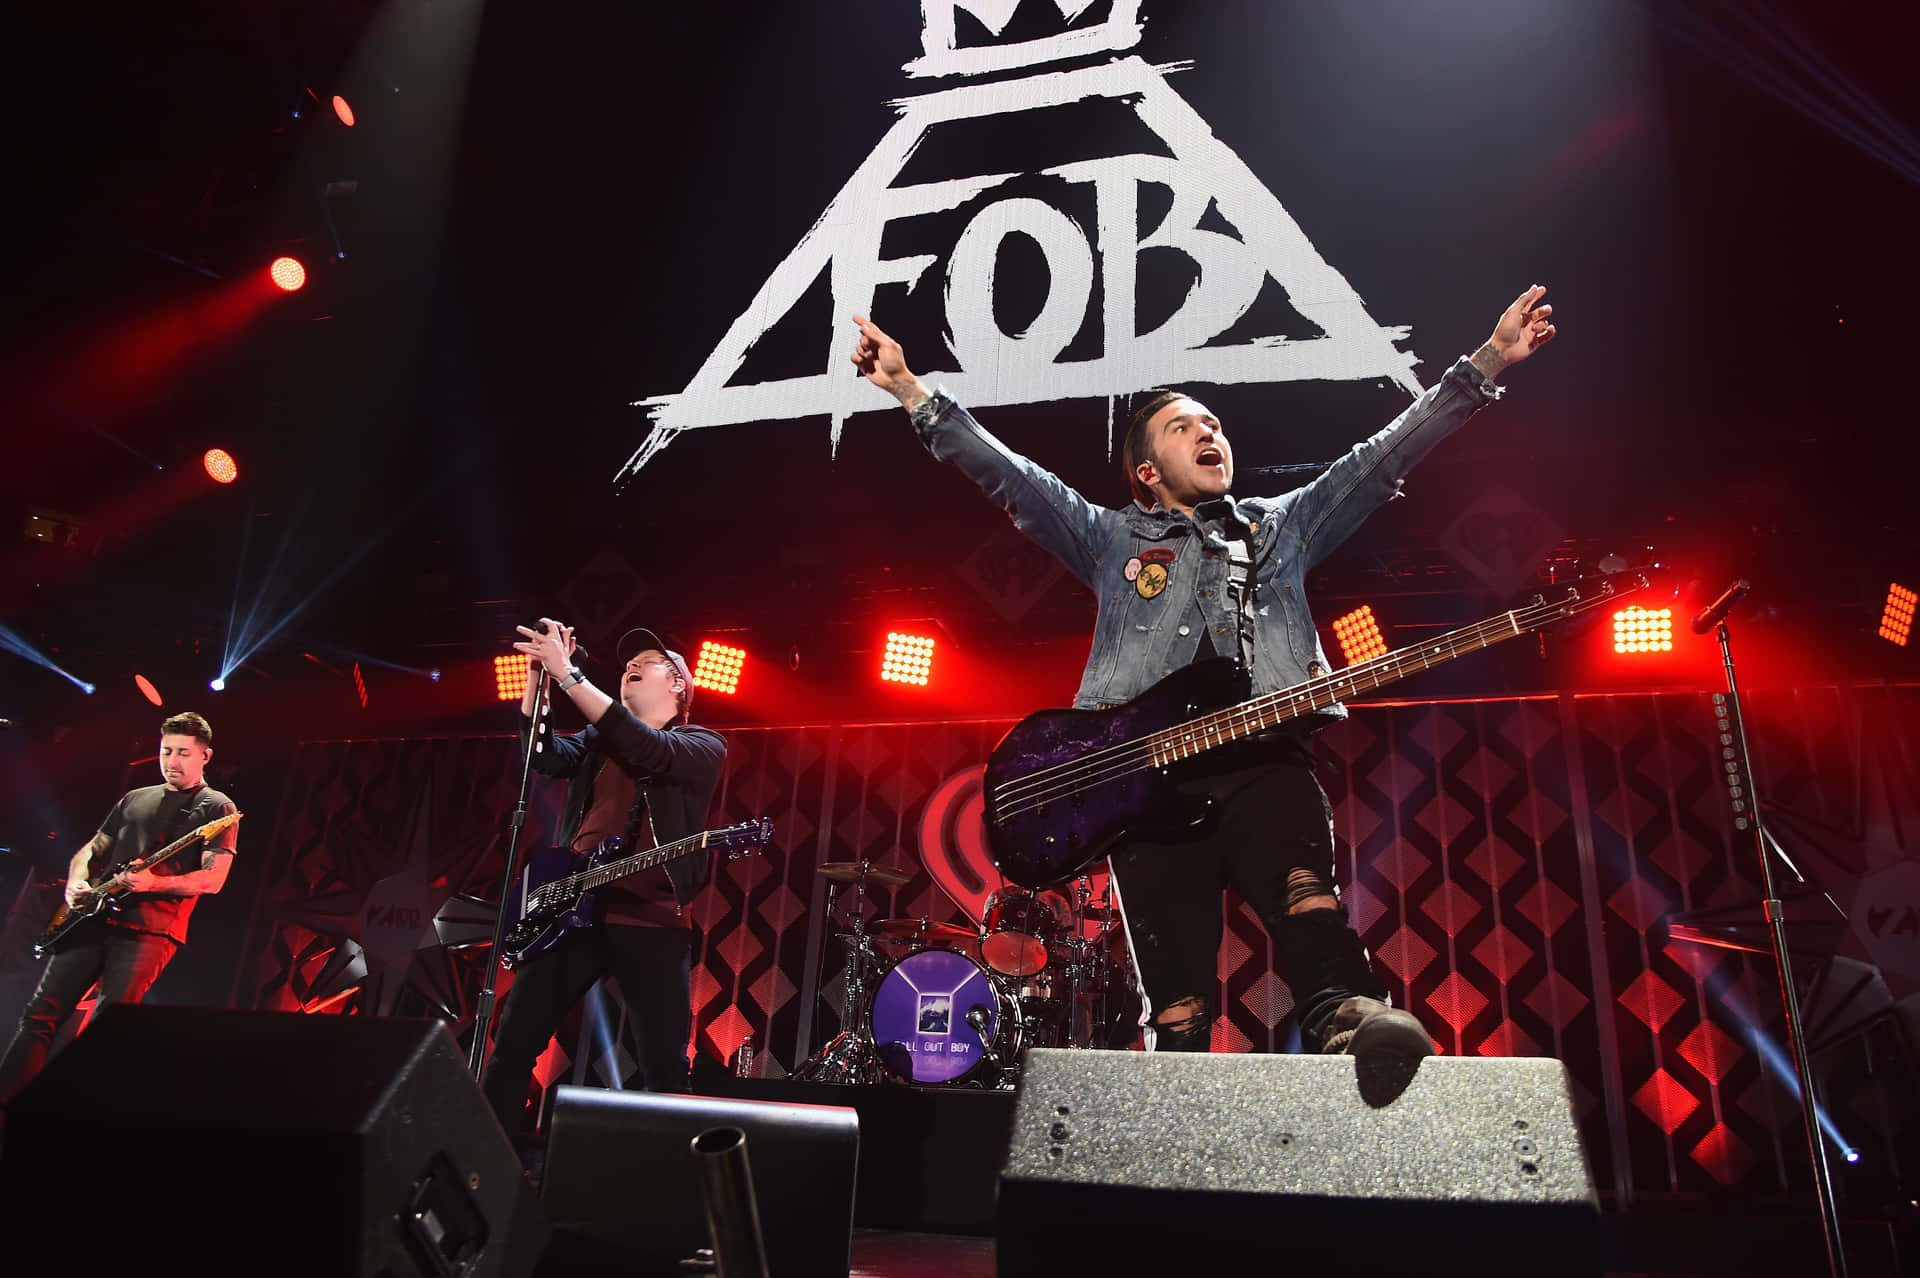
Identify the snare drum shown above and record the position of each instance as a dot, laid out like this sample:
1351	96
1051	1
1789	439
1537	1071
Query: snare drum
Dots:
919	1018
1019	926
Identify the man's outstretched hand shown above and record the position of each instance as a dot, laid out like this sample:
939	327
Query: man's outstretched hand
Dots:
1524	328
881	361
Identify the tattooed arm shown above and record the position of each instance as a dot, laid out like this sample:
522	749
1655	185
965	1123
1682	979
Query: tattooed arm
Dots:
77	889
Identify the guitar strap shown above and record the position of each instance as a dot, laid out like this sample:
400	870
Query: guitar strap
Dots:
1241	584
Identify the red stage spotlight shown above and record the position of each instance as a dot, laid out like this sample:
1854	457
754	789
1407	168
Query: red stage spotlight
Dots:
1637	630
221	468
342	110
718	666
1896	619
360	685
1359	636
288	275
147	689
909	659
510	677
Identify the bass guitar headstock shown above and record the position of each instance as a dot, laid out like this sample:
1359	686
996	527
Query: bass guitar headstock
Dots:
740	840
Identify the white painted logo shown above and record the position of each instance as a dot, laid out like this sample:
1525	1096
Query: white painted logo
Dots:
991	366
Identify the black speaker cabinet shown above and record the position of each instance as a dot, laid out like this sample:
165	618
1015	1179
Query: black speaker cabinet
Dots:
624	1192
176	1140
1130	1162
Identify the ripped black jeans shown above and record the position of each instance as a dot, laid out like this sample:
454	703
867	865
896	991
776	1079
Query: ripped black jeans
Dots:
1271	840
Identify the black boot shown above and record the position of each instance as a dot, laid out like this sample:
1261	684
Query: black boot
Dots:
1341	1004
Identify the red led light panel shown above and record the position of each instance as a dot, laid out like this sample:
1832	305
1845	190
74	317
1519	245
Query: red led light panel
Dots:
1640	630
718	667
908	659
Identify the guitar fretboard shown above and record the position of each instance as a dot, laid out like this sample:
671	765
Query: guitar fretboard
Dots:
600	876
1185	740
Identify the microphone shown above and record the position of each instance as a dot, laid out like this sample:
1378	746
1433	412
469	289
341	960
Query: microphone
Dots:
1716	612
579	649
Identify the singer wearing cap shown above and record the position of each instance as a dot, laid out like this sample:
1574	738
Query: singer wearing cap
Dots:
638	770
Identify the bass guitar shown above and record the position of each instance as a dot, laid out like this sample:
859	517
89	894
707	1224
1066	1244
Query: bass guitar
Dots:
1065	786
109	889
557	888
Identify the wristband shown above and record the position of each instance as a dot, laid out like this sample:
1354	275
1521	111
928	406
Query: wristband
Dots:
573	677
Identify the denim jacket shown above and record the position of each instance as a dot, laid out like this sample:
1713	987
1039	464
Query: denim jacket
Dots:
1161	578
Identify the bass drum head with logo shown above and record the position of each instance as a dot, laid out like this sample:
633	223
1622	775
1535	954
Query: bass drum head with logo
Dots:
920	1011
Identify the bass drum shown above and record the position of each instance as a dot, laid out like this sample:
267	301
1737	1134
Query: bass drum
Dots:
919	1019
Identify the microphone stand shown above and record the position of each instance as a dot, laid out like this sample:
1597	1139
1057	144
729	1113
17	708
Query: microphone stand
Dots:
483	1005
1765	844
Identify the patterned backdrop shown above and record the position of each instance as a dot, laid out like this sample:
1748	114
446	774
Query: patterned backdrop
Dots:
1509	862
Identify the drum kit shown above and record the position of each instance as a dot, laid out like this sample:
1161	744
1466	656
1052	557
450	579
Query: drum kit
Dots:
941	1004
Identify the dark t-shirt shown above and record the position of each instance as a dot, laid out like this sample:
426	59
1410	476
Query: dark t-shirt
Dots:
645	899
144	821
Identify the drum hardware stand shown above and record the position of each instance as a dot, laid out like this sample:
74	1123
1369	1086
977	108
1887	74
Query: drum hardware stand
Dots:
1077	974
848	1057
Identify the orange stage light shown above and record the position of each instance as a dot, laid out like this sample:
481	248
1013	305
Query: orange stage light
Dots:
147	689
1359	636
221	468
343	111
288	275
510	677
1896	619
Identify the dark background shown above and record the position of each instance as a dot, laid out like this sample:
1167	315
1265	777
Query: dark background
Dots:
559	208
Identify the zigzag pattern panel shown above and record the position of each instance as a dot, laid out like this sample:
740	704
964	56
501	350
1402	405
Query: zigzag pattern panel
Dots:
1462	872
1509	863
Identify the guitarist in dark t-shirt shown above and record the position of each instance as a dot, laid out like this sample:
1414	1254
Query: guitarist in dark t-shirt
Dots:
125	950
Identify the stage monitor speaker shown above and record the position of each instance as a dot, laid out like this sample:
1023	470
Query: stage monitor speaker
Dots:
180	1140
1132	1162
622	1188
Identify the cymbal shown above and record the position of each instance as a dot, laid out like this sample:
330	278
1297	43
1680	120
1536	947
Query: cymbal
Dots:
922	929
853	871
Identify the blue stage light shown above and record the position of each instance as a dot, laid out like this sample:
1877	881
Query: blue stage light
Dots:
219	684
16	643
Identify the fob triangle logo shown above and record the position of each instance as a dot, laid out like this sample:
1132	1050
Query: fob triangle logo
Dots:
1210	189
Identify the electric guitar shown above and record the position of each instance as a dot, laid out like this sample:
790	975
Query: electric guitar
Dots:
1064	786
107	896
557	887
